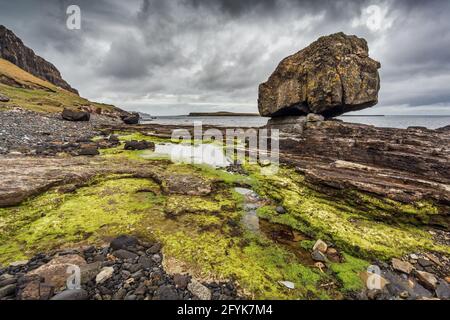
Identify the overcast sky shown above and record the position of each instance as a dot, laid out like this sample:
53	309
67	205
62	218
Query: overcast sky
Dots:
168	57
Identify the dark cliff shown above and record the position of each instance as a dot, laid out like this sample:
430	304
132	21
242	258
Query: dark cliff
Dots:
14	50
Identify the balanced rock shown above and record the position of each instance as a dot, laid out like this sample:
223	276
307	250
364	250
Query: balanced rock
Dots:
331	76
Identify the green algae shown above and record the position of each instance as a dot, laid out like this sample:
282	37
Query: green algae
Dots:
349	226
348	272
51	220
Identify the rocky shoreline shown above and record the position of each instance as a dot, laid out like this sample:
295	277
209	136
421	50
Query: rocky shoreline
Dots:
126	269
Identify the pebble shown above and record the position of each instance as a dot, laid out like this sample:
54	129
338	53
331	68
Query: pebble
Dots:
104	275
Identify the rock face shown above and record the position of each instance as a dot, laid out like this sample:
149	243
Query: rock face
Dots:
331	76
14	50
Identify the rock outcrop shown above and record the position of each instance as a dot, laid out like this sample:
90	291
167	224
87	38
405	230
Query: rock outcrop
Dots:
14	50
331	76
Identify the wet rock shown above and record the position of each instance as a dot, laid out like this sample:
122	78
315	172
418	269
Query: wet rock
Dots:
123	242
424	263
89	271
124	254
105	274
166	292
316	255
55	272
427	279
402	266
443	290
321	246
4	98
76	294
7	290
154	249
181	281
280	210
332	76
139	145
74	115
199	290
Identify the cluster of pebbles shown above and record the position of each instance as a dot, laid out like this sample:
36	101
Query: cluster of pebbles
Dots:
126	269
27	132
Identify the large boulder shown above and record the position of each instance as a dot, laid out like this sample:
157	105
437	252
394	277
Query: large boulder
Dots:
331	76
75	115
131	118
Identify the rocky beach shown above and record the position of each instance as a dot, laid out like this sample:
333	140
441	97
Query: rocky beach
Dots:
353	212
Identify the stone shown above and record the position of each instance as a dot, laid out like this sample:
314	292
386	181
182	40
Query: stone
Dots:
146	262
141	290
316	255
154	249
434	259
181	281
287	284
280	210
131	118
124	254
8	290
18	263
424	262
120	294
428	280
4	98
166	292
90	271
156	258
333	255
55	271
312	117
75	115
414	256
331	76
321	246
402	266
199	290
139	145
76	294
123	242
88	151
443	290
374	281
104	274
5	282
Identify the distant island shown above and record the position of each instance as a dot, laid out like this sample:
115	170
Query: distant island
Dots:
222	114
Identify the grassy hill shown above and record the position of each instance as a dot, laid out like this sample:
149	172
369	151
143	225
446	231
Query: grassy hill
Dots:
32	93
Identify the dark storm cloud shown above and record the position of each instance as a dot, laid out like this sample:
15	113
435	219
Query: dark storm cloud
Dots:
178	56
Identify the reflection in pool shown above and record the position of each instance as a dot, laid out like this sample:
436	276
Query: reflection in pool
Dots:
210	154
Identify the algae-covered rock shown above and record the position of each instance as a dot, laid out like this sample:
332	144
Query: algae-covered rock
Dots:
331	76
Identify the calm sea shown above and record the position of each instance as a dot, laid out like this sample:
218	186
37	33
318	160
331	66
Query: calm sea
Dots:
431	122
